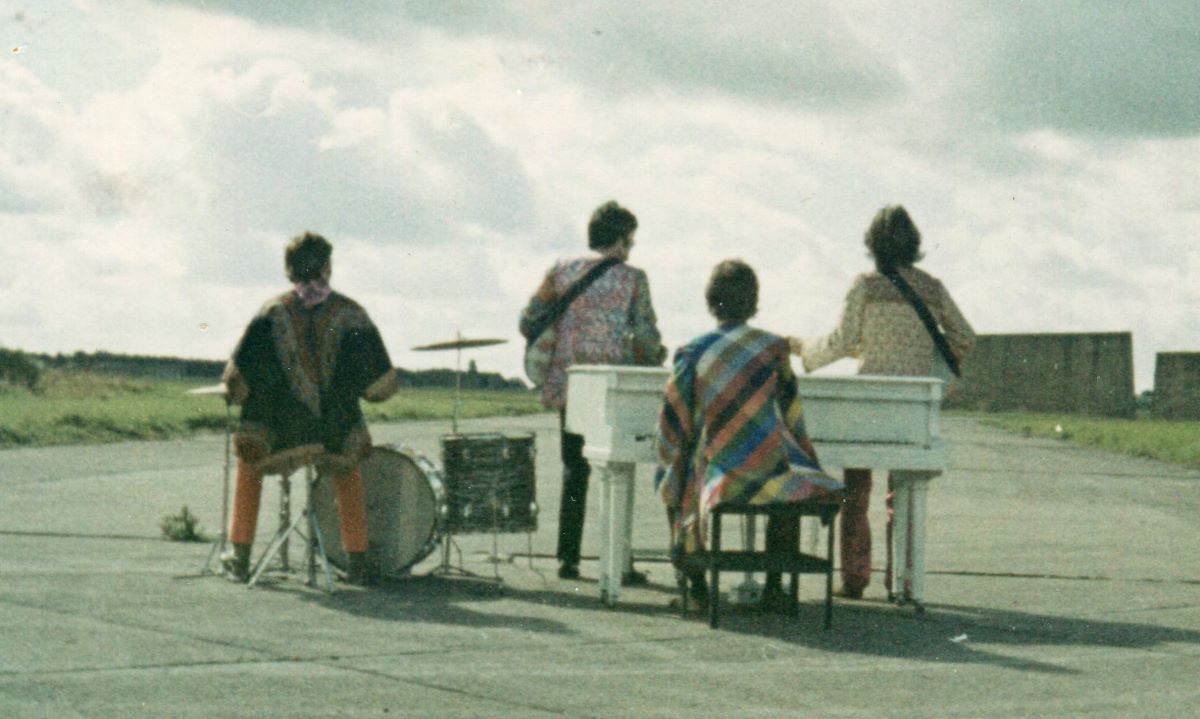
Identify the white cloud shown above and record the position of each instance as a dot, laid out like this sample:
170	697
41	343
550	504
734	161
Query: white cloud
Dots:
452	156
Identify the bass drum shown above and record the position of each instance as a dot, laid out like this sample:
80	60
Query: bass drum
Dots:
406	506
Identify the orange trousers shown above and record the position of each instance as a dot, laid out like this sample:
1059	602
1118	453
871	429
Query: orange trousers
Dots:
352	510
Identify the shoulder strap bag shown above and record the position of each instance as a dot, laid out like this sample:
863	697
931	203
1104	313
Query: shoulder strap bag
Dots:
539	344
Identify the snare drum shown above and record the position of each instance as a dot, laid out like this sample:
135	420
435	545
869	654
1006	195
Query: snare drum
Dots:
490	482
406	505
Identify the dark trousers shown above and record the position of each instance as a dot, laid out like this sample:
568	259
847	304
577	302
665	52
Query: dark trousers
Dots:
573	505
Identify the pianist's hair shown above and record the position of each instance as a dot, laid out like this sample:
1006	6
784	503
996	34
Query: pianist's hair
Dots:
732	292
306	256
610	222
893	239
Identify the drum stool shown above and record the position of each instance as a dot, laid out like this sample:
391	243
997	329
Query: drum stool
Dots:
287	526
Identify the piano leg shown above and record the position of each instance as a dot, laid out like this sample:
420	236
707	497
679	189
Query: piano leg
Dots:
600	471
912	489
627	559
920	490
616	532
899	591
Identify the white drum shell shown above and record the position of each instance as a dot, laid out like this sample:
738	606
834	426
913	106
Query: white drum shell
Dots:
405	502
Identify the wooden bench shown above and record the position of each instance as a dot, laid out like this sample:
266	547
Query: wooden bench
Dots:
791	561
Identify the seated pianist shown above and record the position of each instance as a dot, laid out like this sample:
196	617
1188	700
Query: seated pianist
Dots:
731	429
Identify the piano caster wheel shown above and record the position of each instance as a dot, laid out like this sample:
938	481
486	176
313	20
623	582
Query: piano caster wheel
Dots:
918	608
892	598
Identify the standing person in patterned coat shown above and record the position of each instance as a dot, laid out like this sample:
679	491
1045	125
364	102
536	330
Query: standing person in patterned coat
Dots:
881	328
731	428
612	322
299	371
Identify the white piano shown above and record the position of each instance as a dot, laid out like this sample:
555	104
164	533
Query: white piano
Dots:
886	424
615	408
881	423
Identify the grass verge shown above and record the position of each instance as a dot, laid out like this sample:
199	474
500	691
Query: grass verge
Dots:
83	408
1177	442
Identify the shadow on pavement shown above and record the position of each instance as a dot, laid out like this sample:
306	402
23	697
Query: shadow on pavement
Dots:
439	600
460	601
948	633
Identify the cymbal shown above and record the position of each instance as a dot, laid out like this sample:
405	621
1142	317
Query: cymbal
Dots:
460	343
217	389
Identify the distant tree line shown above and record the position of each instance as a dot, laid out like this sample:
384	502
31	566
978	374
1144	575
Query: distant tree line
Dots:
24	369
19	368
143	366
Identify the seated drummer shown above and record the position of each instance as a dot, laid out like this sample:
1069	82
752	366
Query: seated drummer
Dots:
298	372
731	428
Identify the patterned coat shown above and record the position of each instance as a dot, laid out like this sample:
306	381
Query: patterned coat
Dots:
731	429
298	374
612	322
881	328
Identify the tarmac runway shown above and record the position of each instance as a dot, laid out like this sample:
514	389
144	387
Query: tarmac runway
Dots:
1062	581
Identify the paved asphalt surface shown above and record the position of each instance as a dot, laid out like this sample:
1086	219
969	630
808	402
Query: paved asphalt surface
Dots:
1061	582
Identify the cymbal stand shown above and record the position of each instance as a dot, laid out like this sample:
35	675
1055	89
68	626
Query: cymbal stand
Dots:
457	384
218	549
316	543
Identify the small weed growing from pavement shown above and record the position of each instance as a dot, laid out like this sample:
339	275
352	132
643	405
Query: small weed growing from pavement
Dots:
182	527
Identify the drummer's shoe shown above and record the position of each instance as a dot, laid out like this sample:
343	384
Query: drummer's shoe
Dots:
567	570
236	563
360	570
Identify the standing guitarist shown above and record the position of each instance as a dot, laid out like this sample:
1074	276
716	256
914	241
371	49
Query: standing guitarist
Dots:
611	321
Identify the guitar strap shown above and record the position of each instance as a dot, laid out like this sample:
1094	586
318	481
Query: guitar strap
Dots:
560	306
931	325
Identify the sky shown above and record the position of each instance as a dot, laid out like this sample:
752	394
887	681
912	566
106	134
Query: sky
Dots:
156	157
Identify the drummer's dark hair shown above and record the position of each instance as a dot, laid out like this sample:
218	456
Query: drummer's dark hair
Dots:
893	239
306	256
732	292
610	222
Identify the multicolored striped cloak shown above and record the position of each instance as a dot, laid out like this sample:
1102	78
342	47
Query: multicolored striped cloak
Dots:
731	429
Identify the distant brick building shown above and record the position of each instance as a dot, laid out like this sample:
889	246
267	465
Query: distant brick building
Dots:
1177	385
1080	373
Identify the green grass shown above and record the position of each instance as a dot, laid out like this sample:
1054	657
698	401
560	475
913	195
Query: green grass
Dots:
1177	442
79	408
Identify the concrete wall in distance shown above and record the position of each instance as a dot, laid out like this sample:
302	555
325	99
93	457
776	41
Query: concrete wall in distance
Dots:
1080	373
1177	385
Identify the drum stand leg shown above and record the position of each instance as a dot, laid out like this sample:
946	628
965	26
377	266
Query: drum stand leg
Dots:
218	549
316	543
494	558
445	568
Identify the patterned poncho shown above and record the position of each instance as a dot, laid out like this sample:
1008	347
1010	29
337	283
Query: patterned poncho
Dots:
731	429
298	374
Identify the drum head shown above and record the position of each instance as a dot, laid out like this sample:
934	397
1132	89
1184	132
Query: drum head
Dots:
404	499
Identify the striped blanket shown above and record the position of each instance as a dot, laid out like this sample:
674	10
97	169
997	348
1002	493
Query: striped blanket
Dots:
731	429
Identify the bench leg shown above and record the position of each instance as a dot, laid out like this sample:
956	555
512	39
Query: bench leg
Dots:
714	582
794	606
